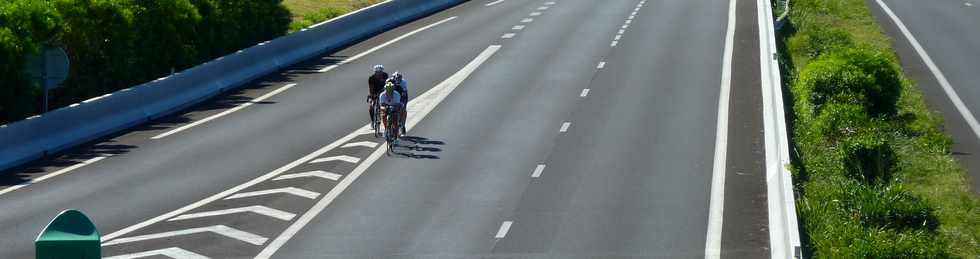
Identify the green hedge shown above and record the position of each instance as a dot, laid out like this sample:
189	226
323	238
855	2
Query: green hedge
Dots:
875	176
114	44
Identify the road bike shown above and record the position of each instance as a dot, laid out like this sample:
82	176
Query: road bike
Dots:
375	121
391	128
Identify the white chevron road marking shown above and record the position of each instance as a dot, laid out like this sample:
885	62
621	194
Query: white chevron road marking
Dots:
318	173
348	159
288	190
257	209
173	252
217	229
367	144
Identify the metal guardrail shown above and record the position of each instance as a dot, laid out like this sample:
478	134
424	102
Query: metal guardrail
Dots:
783	18
783	223
78	123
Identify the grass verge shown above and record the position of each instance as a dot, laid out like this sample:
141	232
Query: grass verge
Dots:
874	175
310	12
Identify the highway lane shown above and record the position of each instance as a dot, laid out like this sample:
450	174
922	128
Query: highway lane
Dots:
630	176
947	31
152	177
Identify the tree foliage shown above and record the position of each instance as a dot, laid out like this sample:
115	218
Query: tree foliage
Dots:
114	44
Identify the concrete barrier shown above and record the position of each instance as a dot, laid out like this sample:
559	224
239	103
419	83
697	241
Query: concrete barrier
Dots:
29	139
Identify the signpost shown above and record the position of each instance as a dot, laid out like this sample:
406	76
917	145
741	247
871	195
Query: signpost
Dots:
48	69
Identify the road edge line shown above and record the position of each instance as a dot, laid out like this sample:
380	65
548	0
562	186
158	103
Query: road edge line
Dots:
712	248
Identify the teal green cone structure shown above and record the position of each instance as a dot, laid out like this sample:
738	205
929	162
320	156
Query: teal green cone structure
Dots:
69	235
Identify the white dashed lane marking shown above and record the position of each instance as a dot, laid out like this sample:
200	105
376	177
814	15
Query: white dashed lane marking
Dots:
585	92
527	20
564	127
537	171
517	27
494	2
504	228
56	173
507	35
601	65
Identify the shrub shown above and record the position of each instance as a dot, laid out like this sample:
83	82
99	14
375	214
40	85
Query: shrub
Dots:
891	206
855	76
830	79
824	39
867	156
883	94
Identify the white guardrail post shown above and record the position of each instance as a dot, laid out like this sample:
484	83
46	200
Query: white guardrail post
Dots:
783	225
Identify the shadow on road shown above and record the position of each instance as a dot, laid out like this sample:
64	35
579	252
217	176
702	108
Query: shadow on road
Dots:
418	147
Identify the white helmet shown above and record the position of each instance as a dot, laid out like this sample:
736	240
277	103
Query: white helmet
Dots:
379	68
397	75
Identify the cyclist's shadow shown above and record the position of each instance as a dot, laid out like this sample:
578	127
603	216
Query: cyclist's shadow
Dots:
418	147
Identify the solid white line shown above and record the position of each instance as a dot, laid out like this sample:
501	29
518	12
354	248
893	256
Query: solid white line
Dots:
712	247
504	228
507	35
614	43
226	112
348	159
257	209
56	173
517	27
318	173
527	20
376	48
494	2
535	14
418	108
601	65
537	171
585	92
367	144
564	127
172	252
940	77
287	190
217	229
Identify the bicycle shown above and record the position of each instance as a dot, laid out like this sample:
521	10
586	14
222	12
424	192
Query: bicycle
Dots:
391	127
375	121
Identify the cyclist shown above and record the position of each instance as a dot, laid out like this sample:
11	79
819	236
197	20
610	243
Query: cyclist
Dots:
376	84
390	99
401	85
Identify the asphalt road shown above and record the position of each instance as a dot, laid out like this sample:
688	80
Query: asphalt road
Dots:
509	156
947	31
